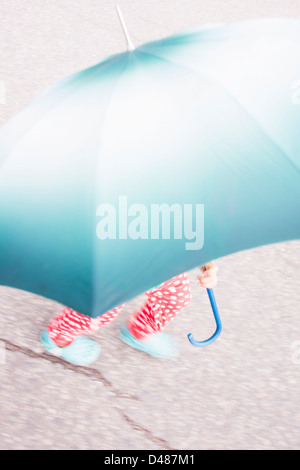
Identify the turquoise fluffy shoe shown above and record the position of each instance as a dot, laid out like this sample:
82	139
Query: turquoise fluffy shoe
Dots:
158	344
82	351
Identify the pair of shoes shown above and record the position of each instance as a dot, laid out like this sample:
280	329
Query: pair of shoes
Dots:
83	351
157	345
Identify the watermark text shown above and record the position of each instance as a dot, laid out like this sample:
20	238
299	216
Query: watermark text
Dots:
2	92
296	92
154	221
296	353
2	353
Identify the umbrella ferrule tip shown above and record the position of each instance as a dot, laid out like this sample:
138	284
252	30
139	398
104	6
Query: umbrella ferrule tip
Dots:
130	45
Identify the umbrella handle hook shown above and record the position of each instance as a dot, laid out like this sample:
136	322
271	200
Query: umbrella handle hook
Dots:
202	344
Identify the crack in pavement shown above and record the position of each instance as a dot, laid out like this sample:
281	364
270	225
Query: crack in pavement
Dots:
157	440
96	375
87	371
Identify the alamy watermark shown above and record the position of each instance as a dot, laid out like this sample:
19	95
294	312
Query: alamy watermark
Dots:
296	92
296	353
2	353
154	221
2	92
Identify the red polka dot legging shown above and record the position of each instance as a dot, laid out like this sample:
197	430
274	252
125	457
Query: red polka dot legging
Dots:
161	306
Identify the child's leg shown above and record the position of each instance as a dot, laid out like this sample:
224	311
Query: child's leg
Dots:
69	324
162	305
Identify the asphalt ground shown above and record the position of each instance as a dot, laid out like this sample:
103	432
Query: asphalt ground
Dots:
242	392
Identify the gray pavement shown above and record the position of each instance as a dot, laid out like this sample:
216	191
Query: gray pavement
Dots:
240	393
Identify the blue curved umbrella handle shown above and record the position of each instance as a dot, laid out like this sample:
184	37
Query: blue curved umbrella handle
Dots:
202	344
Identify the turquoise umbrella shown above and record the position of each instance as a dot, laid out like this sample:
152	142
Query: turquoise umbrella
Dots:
151	163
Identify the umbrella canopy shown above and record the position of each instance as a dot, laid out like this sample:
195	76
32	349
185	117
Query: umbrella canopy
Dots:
151	163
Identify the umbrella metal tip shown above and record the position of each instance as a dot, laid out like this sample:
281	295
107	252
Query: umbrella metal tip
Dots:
130	45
